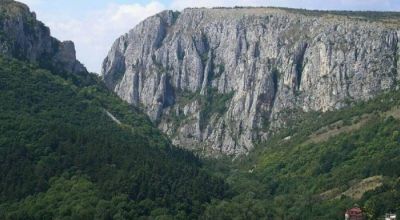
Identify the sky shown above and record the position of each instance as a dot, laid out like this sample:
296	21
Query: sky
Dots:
93	25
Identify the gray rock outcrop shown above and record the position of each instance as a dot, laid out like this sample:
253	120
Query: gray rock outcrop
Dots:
23	37
217	80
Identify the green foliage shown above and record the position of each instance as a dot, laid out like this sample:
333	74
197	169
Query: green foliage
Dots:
363	15
366	15
217	71
213	103
204	57
75	197
186	97
240	207
385	199
62	156
288	177
183	98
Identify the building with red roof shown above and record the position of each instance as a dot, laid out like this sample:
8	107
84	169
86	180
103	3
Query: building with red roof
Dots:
354	213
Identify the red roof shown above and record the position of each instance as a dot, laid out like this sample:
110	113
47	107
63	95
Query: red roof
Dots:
354	210
354	213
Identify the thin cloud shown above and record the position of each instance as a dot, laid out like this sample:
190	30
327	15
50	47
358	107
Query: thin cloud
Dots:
94	34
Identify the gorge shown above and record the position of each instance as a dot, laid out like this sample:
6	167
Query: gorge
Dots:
219	80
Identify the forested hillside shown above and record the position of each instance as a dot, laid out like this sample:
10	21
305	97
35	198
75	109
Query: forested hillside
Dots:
72	149
321	165
69	149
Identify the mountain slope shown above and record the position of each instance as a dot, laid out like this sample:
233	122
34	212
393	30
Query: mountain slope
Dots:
70	149
53	131
321	165
259	65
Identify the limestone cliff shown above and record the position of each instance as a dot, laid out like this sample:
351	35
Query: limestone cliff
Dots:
217	80
23	37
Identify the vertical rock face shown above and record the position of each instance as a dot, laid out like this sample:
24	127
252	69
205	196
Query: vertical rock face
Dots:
25	38
216	80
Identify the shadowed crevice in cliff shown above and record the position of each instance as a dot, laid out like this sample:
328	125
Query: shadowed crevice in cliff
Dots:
396	55
167	20
299	62
202	48
275	80
115	77
169	99
257	50
161	34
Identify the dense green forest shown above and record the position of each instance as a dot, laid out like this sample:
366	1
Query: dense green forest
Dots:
63	156
316	169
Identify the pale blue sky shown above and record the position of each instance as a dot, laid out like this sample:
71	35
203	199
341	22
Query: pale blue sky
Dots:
94	24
